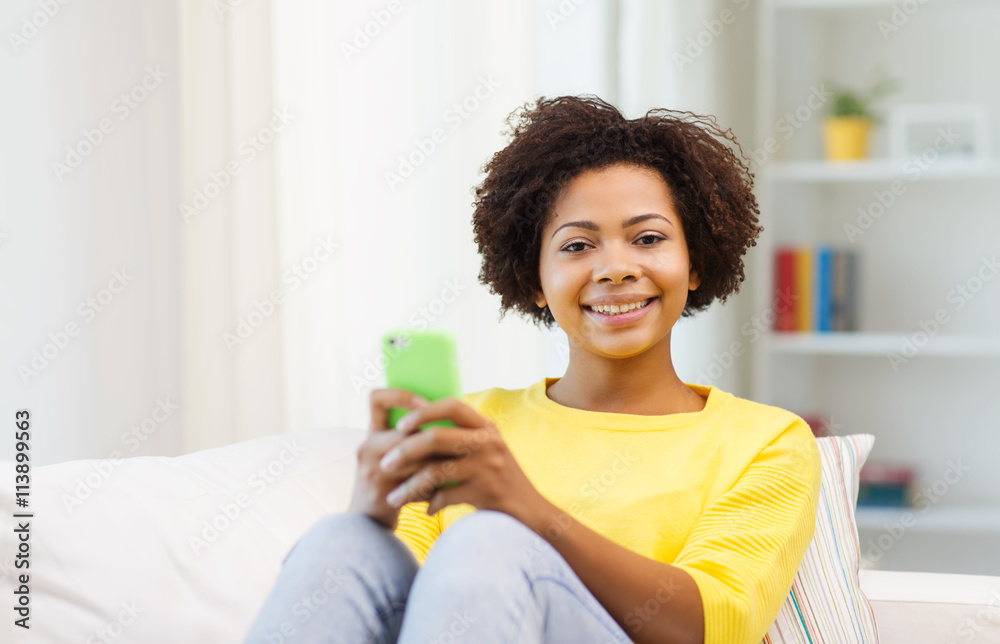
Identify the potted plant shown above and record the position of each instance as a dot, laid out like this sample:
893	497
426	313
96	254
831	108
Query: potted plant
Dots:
850	119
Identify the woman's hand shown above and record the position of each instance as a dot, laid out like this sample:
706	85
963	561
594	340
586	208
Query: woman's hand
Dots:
372	483
472	454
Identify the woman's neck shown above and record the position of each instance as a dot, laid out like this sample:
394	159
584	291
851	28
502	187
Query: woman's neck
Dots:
643	385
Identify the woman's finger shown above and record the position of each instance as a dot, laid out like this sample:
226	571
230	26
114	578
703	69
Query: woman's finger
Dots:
451	409
432	444
384	399
423	484
445	496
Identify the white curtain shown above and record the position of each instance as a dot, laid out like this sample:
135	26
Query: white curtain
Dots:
300	182
230	125
350	239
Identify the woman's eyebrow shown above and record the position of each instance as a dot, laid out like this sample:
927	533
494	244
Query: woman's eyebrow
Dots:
631	221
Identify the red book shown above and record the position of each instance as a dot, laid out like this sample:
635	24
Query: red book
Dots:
886	473
817	423
784	289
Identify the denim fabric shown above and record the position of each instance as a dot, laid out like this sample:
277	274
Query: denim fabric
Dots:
488	579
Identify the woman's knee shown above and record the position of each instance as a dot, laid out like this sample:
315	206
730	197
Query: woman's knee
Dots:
346	567
352	538
487	539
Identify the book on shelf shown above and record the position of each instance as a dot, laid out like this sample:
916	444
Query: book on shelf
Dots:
784	284
884	484
820	283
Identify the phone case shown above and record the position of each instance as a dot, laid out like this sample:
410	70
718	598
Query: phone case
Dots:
422	361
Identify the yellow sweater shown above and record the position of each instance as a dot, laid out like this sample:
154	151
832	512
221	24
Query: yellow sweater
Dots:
728	493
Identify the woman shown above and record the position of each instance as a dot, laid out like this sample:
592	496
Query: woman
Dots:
616	503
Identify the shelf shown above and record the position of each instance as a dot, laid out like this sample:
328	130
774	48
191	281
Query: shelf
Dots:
840	4
980	520
880	344
883	170
828	4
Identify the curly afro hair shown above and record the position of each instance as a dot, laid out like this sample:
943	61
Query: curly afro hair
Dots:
556	139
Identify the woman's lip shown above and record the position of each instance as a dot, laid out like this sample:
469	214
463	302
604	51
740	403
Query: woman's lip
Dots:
622	318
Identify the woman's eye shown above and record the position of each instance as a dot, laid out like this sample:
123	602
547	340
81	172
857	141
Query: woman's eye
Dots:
655	238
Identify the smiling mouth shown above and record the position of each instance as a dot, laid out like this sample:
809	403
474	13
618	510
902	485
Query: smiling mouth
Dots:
643	305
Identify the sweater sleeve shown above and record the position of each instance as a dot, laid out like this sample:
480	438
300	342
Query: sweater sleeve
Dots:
746	547
417	530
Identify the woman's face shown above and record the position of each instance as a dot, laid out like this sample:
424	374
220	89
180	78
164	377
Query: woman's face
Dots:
614	232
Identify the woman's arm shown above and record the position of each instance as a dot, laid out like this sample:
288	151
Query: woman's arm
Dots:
652	601
732	574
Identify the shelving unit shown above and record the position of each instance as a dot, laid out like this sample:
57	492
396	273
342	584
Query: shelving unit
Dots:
971	520
881	171
880	344
942	402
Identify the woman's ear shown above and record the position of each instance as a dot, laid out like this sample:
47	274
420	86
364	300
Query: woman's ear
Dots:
540	300
693	280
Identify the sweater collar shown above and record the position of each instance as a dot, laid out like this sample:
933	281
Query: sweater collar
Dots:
537	399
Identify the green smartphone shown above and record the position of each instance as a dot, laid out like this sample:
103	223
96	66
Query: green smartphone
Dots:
423	361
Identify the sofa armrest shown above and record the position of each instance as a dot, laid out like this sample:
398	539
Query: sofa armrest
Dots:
918	607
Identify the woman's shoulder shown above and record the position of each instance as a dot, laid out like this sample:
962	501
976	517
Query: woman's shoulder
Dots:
768	423
473	398
492	397
759	412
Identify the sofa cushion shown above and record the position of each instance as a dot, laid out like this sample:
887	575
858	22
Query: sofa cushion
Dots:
826	604
128	550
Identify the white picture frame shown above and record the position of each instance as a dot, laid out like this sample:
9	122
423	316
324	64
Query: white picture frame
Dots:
954	130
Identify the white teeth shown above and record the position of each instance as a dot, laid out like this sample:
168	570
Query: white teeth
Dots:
614	309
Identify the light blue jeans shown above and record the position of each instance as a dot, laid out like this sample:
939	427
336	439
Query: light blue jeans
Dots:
488	579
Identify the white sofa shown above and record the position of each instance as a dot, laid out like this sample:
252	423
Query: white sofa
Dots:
185	549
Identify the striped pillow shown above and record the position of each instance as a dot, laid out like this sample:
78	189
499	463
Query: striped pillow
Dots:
826	603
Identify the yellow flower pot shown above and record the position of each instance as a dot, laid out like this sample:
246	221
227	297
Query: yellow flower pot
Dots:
846	138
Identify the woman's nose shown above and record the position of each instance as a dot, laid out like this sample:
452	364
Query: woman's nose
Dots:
617	265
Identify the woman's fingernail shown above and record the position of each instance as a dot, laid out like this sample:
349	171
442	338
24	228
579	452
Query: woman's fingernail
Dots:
406	422
389	459
395	497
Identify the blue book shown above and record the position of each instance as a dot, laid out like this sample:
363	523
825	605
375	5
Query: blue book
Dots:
852	290
823	275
